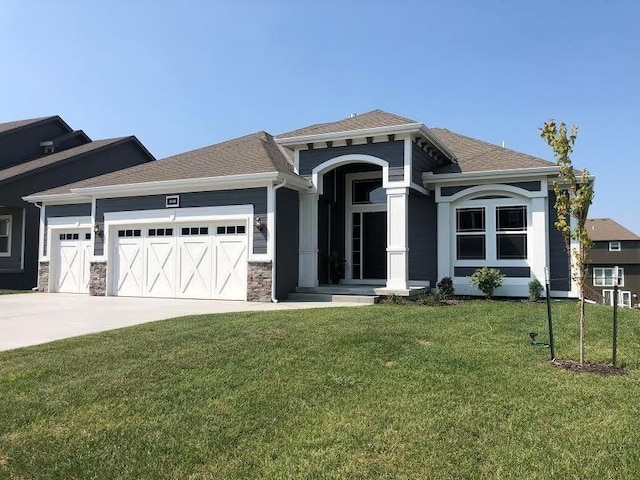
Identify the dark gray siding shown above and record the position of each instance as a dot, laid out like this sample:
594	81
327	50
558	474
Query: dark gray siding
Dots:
73	210
23	144
13	262
287	237
392	152
533	186
108	160
247	196
631	279
421	162
559	260
513	272
629	253
423	238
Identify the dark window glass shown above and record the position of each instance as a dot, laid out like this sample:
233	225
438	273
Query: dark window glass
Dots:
369	191
194	230
511	218
152	232
136	233
62	236
241	229
168	232
231	230
512	246
76	236
4	244
470	220
121	233
356	271
87	236
204	230
220	230
185	231
471	247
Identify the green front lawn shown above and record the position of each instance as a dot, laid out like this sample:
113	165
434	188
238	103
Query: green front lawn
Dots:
9	292
371	392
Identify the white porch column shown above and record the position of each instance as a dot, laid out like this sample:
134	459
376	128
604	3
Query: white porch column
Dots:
538	238
445	268
308	264
397	238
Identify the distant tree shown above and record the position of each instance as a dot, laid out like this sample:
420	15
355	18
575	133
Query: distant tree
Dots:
574	195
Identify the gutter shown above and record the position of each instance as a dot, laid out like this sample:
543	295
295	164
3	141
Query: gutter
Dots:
273	240
429	178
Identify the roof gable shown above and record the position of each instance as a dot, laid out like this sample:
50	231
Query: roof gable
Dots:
372	119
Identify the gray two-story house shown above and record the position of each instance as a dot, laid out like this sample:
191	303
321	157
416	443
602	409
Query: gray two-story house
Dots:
40	154
613	246
257	217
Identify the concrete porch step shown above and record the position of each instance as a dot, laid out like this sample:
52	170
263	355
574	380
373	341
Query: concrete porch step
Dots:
329	297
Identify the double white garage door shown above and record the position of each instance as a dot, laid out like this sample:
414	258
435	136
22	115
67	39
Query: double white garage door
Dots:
181	261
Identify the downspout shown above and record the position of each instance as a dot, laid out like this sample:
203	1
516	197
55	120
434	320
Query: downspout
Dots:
273	242
40	206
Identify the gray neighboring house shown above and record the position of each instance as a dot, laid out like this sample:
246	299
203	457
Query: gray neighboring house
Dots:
256	218
613	246
40	154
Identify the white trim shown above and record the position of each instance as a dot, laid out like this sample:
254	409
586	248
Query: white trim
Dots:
308	240
318	172
9	218
230	182
603	276
57	198
488	189
429	178
41	227
397	238
621	295
611	244
349	210
296	161
349	134
62	223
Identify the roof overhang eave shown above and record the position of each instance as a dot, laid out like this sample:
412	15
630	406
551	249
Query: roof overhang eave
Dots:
429	178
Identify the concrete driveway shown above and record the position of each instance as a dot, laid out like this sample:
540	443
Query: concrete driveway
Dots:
34	318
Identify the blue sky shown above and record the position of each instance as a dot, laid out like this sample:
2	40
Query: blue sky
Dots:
182	75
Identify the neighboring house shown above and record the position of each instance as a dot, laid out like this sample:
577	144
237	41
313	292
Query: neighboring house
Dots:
614	246
256	217
40	154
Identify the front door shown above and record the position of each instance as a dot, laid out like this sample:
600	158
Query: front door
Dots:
367	228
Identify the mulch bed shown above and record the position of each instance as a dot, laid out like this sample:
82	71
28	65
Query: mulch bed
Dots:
597	368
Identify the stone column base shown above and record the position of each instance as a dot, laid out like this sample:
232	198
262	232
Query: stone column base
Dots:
259	282
98	279
43	277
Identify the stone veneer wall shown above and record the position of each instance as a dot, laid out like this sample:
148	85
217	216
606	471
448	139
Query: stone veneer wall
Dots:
259	282
98	278
43	277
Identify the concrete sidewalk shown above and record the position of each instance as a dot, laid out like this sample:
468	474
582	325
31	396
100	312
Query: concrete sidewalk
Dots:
34	318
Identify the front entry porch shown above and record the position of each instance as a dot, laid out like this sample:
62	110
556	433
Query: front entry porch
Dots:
356	214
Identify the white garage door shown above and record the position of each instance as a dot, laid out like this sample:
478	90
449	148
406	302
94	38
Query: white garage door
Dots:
182	261
71	251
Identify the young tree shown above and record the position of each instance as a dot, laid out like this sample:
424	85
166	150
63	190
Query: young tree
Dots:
574	194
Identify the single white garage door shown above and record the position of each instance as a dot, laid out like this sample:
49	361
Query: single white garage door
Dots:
71	251
182	261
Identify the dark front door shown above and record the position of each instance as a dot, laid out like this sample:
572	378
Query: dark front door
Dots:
370	246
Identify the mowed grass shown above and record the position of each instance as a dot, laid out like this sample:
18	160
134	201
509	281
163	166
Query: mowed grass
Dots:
371	392
9	292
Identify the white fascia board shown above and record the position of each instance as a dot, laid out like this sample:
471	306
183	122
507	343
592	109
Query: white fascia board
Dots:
194	184
429	178
363	132
57	199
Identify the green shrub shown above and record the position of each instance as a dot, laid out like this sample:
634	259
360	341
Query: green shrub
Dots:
430	299
487	280
395	299
535	290
445	287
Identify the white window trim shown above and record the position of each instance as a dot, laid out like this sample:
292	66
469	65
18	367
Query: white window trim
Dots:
9	231
621	295
491	232
604	276
611	244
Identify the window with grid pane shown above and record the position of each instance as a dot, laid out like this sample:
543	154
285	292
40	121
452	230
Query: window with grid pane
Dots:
471	237
5	234
511	236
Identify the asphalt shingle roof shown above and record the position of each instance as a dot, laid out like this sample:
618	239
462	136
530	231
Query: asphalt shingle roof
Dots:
604	229
373	119
44	161
475	155
5	127
255	153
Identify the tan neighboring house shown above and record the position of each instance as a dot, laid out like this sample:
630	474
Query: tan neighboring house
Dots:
614	246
